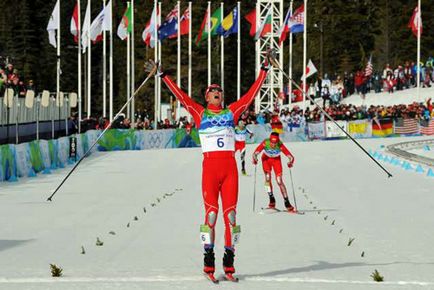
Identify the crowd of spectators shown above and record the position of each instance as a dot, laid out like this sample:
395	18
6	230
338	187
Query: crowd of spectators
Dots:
10	77
332	89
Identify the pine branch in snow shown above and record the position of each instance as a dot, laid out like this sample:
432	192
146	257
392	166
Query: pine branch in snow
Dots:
377	277
55	270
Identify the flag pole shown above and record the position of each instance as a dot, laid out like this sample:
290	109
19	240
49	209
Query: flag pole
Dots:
209	42
133	71
58	62
222	51
104	73
290	58
155	60
304	54
79	67
418	47
111	61
89	60
238	51
159	57
128	67
257	53
189	48
178	76
271	45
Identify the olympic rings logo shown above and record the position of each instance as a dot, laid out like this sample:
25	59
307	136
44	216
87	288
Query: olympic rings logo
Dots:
155	140
220	121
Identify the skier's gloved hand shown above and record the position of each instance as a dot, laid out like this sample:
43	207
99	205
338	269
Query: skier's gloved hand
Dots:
270	60
255	159
291	162
153	67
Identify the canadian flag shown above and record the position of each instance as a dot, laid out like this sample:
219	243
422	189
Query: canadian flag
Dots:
310	70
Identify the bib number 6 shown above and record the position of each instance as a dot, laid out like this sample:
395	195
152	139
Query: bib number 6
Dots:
220	143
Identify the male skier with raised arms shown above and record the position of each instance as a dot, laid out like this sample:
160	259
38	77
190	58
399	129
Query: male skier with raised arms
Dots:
272	148
215	125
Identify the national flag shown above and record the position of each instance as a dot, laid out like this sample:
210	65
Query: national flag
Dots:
107	23
382	127
369	68
427	127
214	23
148	34
184	23
216	19
296	21
406	126
96	29
414	21
170	25
126	26
86	27
265	26
103	22
75	26
310	69
283	31
251	18
54	24
229	24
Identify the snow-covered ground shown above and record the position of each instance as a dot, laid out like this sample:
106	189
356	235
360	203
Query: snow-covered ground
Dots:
384	98
344	194
424	152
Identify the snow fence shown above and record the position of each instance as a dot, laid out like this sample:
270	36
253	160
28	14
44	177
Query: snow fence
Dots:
43	156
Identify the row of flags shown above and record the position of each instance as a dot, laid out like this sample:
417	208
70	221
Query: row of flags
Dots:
293	23
169	28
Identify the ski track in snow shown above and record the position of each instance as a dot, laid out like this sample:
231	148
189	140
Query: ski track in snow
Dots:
343	194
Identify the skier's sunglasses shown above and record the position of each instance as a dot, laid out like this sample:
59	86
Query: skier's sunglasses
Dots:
216	90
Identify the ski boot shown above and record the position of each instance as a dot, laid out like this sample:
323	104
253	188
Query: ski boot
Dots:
288	206
228	265
209	264
243	171
272	203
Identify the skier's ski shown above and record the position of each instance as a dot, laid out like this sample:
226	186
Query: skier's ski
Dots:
270	210
231	278
210	276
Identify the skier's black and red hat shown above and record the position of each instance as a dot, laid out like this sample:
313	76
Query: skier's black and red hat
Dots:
274	137
213	87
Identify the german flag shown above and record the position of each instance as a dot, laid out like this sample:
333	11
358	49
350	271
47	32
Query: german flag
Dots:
382	128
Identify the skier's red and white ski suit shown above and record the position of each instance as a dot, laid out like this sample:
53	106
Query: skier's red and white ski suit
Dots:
219	167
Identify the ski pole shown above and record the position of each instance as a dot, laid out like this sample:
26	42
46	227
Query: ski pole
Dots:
254	190
276	65
293	190
151	73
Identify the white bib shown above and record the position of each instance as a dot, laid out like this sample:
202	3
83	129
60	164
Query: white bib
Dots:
221	140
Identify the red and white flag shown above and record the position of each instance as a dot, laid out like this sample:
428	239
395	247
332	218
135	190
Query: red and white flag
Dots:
148	34
75	26
427	127
369	67
310	70
414	22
